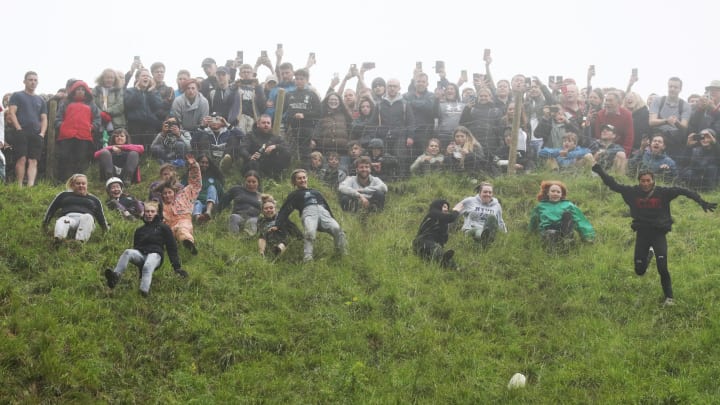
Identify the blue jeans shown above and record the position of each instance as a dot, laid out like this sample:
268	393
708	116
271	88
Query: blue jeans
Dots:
147	263
199	206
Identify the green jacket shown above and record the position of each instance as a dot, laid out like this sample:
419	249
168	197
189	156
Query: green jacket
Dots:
548	213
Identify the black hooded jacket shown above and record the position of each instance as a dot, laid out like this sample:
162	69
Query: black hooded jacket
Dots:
153	236
435	225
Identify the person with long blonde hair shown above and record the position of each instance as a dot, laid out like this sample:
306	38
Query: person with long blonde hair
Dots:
78	211
464	153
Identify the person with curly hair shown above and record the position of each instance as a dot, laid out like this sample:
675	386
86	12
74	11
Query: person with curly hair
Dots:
556	218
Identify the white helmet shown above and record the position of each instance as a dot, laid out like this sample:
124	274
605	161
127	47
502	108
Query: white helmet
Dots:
112	180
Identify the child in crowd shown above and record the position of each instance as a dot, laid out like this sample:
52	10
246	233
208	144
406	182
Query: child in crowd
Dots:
382	164
314	212
483	215
129	207
570	155
433	234
430	161
556	218
334	174
355	150
149	243
317	168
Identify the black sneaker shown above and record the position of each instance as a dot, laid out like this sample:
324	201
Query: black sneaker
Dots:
190	246
567	225
447	258
112	278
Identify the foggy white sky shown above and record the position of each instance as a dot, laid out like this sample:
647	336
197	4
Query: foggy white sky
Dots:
64	39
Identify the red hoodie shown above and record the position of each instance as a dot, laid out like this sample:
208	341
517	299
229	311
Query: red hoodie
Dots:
78	116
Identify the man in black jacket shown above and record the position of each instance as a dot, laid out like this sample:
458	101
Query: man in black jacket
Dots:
149	242
651	219
264	152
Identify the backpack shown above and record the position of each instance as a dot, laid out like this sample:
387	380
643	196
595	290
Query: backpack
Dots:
680	106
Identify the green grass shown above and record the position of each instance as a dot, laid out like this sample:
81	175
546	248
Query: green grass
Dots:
378	326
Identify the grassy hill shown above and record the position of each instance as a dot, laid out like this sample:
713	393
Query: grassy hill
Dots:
377	326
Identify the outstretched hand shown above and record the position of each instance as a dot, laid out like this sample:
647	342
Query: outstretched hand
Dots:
708	206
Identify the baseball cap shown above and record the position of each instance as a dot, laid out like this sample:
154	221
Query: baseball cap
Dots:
207	62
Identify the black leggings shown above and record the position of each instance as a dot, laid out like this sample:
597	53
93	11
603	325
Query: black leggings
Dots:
654	238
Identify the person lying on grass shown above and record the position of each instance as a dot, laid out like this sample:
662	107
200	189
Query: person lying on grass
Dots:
314	212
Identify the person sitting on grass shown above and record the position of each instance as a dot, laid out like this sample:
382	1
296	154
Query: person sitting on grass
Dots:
314	212
270	236
482	215
178	205
610	156
149	243
246	204
362	191
570	155
433	234
556	218
128	206
430	161
121	158
78	211
211	192
651	220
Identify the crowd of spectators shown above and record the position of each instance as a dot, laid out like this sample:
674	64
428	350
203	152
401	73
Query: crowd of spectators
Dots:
230	115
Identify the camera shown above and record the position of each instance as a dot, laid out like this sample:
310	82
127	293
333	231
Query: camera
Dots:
368	65
554	109
698	137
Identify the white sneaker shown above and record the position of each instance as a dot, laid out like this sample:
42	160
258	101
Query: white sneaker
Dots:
668	302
